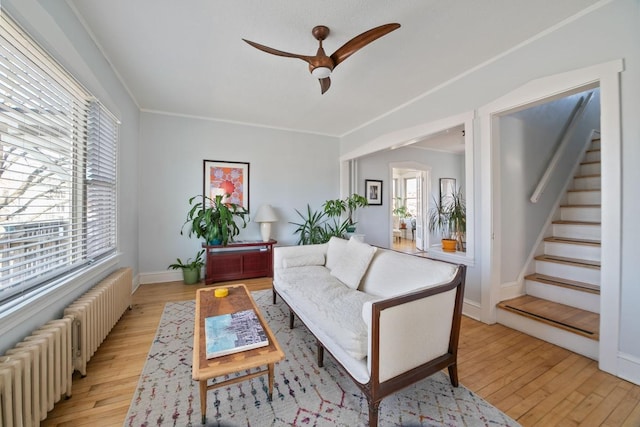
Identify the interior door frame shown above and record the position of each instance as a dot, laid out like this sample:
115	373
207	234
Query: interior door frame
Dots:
607	77
407	136
423	172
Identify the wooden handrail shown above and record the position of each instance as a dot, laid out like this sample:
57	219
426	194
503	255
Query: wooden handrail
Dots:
581	105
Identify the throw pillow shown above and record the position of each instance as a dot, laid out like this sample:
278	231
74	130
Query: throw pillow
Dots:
335	250
354	263
303	260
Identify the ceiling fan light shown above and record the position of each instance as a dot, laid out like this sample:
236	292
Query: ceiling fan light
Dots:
321	72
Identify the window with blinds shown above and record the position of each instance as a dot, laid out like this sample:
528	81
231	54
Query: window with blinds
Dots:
58	150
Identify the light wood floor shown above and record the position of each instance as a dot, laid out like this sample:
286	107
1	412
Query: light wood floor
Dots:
534	382
406	245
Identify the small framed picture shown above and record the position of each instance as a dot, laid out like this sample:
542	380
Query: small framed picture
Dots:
373	191
220	177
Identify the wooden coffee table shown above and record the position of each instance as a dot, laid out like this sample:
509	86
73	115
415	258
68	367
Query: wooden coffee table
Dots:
204	369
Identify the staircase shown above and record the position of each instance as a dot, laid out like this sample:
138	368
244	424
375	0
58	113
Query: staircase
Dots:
562	301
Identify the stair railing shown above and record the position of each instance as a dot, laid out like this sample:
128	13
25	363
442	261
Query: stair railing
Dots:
577	113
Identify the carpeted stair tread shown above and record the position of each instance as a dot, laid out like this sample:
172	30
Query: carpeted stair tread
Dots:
570	261
575	320
564	283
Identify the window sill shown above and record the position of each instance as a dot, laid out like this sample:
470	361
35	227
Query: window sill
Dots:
457	257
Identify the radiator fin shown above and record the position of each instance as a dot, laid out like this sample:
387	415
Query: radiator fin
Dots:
96	312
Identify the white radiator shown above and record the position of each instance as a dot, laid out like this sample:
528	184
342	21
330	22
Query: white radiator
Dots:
35	374
96	312
37	371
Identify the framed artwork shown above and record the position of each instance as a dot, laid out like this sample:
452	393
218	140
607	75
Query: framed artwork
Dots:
447	188
373	191
220	177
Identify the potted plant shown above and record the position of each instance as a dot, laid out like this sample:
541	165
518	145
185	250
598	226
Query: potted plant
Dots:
214	220
335	208
449	218
402	212
190	269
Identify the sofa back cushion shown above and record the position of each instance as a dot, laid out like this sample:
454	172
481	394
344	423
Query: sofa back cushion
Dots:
393	273
354	263
303	260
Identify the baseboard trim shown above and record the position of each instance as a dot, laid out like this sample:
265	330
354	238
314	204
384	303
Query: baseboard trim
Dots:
160	277
629	367
511	290
471	309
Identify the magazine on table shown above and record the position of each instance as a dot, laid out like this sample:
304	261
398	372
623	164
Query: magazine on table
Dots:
232	333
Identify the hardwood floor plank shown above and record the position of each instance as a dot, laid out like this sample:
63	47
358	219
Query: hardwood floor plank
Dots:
557	416
534	382
559	389
624	408
604	408
633	420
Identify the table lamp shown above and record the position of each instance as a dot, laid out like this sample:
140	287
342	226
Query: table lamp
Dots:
265	216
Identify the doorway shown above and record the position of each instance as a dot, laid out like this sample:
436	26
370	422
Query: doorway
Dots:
409	189
607	77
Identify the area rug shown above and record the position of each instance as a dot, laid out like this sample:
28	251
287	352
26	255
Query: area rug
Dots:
303	395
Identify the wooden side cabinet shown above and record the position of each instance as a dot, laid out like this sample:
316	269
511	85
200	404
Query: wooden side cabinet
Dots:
239	260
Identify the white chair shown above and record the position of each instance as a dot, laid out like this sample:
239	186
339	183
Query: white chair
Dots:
397	233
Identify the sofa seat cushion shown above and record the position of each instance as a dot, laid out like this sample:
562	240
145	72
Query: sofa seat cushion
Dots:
330	306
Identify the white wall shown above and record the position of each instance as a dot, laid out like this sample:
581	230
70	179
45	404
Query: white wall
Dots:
58	31
287	170
608	33
528	140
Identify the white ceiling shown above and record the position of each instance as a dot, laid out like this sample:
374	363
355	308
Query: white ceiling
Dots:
187	57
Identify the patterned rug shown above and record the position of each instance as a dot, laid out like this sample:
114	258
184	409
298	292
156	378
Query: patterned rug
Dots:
303	395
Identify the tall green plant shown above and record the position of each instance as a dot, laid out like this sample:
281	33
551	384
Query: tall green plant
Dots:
311	228
214	220
336	207
458	217
449	217
320	226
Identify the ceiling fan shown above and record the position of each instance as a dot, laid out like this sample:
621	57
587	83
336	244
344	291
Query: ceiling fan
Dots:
321	65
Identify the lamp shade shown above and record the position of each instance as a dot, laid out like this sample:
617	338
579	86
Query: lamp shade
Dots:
265	214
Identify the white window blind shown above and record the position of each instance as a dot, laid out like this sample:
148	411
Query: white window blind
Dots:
57	168
101	181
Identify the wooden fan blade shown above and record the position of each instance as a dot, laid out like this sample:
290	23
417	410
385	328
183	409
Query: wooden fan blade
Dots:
278	52
358	42
325	84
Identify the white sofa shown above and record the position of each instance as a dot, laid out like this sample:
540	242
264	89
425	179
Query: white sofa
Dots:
389	319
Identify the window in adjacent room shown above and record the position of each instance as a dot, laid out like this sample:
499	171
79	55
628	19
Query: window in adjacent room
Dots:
410	192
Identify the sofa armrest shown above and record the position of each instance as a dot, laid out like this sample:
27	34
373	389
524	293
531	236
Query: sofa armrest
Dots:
282	252
414	330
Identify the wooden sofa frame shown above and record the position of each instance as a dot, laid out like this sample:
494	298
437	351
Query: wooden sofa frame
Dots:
374	390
